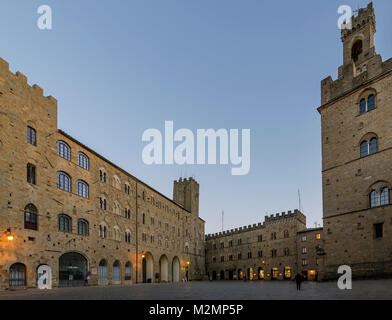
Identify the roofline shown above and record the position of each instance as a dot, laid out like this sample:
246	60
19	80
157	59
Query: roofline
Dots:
122	170
310	230
344	94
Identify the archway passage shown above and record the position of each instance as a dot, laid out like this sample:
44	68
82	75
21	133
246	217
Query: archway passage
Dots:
214	275
231	274
176	269
261	274
164	269
357	49
72	270
222	275
103	271
116	273
148	268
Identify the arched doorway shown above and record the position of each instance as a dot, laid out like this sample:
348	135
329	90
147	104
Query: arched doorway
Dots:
164	269
128	271
17	276
148	268
176	269
72	270
213	275
261	274
44	277
116	273
240	274
103	272
222	275
250	273
231	275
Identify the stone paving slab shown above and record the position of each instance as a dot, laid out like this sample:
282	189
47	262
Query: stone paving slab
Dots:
219	290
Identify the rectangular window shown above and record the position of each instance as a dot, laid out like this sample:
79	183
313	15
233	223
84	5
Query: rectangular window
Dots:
230	243
260	238
249	255
378	230
31	136
318	236
222	259
304	250
239	241
304	262
303	238
30	173
239	256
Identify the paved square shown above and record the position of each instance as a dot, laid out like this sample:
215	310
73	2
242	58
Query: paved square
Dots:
219	290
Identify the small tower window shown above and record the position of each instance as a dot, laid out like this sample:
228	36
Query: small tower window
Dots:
356	49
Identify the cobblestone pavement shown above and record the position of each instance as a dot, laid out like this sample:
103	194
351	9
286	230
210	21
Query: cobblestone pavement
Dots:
219	290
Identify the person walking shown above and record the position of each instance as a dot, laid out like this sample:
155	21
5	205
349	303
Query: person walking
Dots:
298	280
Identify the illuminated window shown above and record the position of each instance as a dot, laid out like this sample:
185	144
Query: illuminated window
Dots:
318	235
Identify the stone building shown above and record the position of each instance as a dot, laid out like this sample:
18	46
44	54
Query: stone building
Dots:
67	211
264	251
356	121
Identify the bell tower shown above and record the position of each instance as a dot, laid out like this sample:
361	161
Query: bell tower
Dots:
186	193
358	37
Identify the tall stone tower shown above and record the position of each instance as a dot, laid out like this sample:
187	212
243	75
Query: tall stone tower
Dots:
356	121
186	193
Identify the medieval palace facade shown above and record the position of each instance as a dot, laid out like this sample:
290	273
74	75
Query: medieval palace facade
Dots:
68	212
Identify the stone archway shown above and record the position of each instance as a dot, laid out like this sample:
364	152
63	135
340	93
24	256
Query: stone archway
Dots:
163	269
148	268
176	269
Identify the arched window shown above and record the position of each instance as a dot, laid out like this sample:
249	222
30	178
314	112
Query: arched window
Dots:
384	197
31	217
356	49
371	103
102	271
367	100
127	213
63	150
102	175
83	160
116	234
17	276
103	231
362	106
368	148
30	173
364	149
65	223
83	227
374	199
128	271
82	189
102	203
116	182
373	146
127	236
63	181
116	274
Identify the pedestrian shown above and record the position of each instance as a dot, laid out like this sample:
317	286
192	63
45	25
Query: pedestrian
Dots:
298	280
186	276
87	278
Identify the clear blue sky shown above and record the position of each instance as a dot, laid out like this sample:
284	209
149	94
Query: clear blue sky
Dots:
120	67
